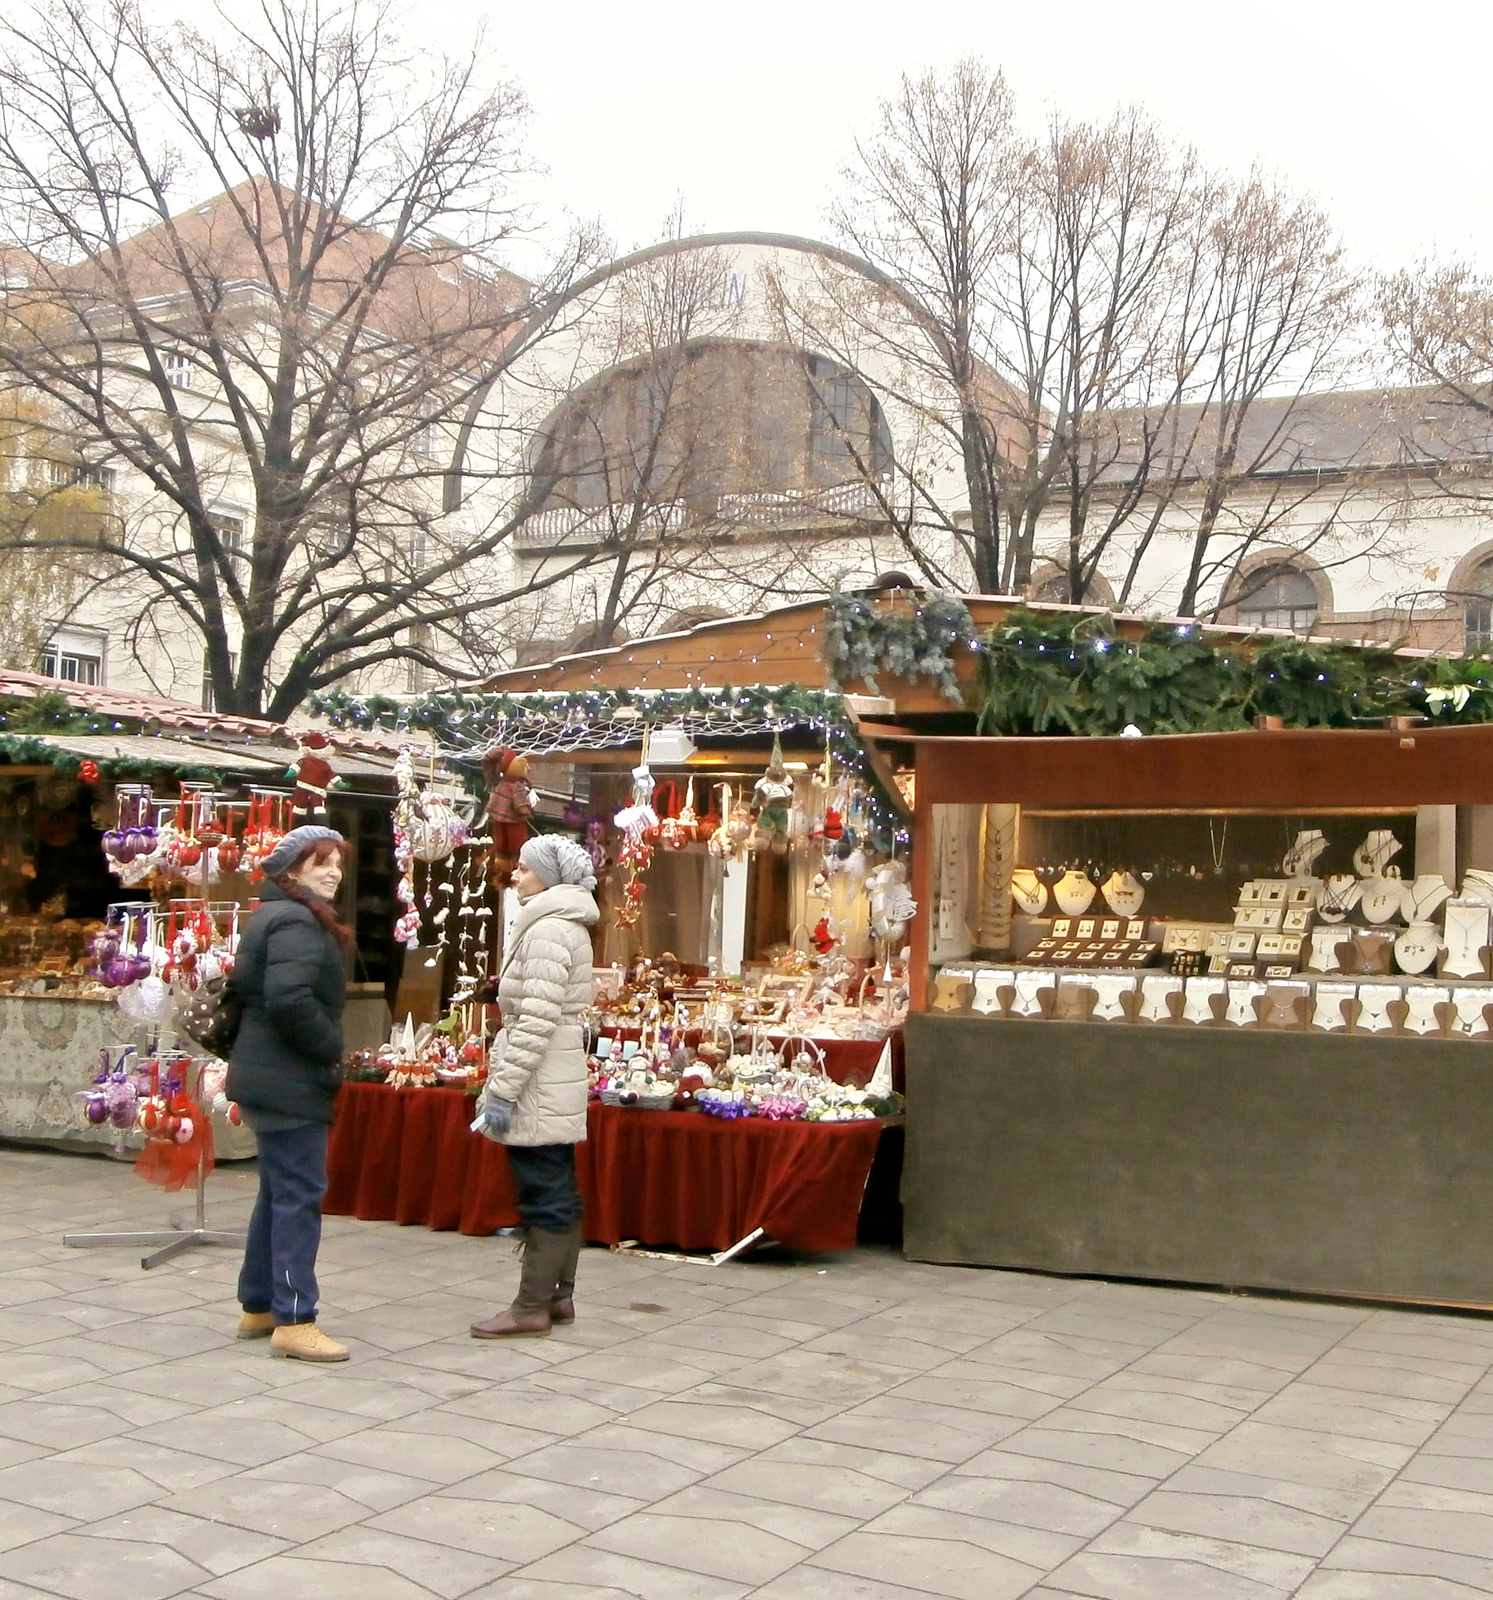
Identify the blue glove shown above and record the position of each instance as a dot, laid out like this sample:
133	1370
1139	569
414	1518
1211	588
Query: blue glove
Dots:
494	1119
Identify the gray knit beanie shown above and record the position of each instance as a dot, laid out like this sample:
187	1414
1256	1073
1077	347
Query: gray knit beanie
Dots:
293	846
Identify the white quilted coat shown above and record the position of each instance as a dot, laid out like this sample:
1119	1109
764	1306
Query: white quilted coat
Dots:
539	1060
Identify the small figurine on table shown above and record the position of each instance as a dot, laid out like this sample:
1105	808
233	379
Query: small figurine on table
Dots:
509	808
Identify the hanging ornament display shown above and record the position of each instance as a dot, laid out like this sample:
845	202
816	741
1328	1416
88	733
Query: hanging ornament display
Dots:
635	822
266	825
510	810
772	799
407	925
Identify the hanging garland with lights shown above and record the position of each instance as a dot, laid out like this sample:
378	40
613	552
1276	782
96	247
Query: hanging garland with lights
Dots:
570	722
1074	674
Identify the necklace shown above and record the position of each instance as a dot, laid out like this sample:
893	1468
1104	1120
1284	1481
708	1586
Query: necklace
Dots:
988	985
1382	898
1337	897
1301	855
1417	947
1423	898
1198	1006
1028	891
1155	991
1109	987
1122	894
1216	846
1375	853
1467	925
1074	892
1240	1011
1030	986
1374	1000
1469	1019
1327	1011
1422	1000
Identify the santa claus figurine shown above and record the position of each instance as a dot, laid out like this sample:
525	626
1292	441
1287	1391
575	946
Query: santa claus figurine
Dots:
509	809
313	777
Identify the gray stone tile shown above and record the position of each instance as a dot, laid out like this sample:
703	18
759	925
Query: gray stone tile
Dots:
294	1512
824	1488
1240	1519
1329	1460
1358	1554
84	1569
20	1524
596	1572
587	1507
218	1547
433	1564
941	1566
294	1577
1053	1507
799	1525
732	1550
1383	1586
76	1489
513	1532
1255	1563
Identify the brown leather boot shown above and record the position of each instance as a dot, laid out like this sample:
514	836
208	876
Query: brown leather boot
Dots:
529	1315
562	1307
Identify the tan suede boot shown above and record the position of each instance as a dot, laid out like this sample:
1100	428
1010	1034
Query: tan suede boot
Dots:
562	1307
304	1341
529	1315
255	1325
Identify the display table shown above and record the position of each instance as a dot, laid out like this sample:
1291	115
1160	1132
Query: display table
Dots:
851	1061
658	1177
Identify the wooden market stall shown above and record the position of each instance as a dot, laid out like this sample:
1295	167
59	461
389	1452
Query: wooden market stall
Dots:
1237	1108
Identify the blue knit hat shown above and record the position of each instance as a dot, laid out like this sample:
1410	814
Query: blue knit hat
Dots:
293	846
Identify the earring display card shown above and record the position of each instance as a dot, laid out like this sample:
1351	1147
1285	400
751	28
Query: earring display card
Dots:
1198	997
1135	928
1109	928
1328	1002
1243	944
1062	927
1156	991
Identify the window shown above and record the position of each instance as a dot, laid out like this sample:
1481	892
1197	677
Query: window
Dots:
178	369
1477	612
230	530
1278	597
75	655
71	474
422	440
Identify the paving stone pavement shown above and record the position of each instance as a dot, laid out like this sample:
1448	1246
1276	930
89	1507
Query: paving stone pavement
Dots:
849	1427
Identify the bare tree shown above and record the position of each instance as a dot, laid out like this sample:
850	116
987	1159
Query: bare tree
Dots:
302	347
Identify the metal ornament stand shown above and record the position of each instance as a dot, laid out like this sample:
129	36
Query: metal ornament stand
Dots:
179	1238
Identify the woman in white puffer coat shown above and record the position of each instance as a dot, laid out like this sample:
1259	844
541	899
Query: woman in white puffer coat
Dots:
535	1100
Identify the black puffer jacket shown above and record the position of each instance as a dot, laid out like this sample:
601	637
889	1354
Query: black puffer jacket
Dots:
291	975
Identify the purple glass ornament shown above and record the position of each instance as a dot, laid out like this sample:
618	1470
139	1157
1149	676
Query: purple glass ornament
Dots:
120	971
98	1111
113	842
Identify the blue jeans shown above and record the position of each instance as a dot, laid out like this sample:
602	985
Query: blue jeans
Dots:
544	1175
279	1271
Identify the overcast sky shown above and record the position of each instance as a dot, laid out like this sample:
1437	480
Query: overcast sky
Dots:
746	108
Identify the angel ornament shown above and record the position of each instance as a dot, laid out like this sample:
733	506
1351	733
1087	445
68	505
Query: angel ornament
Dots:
892	907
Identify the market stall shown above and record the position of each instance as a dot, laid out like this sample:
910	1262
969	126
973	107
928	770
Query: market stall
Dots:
750	974
1206	1007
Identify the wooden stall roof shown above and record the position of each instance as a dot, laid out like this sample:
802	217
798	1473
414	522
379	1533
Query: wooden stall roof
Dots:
1292	768
772	647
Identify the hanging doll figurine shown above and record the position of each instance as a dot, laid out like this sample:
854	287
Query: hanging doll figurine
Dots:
509	808
313	777
772	797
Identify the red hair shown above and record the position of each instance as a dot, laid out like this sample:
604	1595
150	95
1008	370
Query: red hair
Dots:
321	850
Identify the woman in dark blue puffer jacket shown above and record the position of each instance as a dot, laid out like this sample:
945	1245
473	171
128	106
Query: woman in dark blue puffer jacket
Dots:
284	1072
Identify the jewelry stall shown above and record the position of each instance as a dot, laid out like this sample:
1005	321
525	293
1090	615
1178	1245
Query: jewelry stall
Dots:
1211	1008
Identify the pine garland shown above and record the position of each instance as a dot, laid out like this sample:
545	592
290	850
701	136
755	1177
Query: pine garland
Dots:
862	639
1075	674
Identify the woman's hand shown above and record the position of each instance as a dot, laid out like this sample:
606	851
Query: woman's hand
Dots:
494	1118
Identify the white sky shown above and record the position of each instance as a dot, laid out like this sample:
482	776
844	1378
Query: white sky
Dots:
747	108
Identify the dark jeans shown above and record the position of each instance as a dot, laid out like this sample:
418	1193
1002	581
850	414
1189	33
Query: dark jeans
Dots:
279	1271
544	1175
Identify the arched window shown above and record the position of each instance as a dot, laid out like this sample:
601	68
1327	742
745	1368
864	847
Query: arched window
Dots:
1477	611
1277	597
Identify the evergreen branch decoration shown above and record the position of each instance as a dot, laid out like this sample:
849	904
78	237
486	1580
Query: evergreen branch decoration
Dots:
1074	674
862	639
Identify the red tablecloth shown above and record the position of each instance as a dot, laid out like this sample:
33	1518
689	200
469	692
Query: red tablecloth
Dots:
660	1177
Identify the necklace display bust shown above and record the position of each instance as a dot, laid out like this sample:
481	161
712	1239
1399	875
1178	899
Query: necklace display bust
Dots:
1028	891
1074	892
1123	893
1382	898
1375	853
1301	859
1422	1000
1423	898
1416	949
1466	936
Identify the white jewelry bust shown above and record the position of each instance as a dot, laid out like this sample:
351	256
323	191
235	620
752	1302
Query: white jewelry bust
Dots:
988	984
1417	947
1123	893
1468	1019
1198	1006
1029	988
1301	859
1028	891
1382	898
1375	853
1074	892
1477	884
1337	897
1155	989
1327	1006
1424	897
